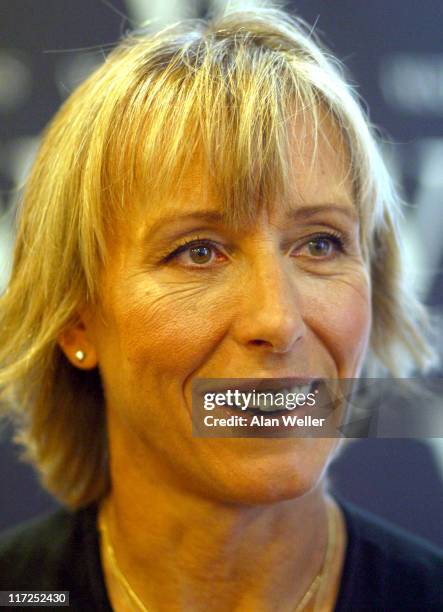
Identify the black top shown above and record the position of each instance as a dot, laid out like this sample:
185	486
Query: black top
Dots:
385	569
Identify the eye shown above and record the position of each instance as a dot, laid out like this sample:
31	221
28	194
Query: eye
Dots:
323	246
200	254
197	253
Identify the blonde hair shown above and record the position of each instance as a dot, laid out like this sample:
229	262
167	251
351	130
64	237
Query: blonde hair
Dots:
229	87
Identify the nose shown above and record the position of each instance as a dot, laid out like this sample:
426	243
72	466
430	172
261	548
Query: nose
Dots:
269	314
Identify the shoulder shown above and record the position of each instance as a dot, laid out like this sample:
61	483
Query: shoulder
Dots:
387	568
58	551
27	552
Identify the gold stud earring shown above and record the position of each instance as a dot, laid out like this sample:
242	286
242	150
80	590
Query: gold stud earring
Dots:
80	355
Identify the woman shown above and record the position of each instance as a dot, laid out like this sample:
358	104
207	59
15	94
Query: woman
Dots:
209	204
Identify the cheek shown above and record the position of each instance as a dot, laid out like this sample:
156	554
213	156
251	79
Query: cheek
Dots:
341	318
168	330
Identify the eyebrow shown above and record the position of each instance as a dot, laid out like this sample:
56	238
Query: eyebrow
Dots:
301	212
306	212
198	215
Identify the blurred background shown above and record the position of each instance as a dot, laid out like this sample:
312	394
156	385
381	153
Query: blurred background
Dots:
394	53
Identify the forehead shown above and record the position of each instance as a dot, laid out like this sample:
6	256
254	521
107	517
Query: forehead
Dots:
318	174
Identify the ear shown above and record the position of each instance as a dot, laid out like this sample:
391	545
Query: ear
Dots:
76	342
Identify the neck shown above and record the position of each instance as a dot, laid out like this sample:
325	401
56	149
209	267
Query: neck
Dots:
201	553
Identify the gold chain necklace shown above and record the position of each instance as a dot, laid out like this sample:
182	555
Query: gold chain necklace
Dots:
326	565
315	584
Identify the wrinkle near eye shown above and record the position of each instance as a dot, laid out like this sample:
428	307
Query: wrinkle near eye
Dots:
183	292
354	282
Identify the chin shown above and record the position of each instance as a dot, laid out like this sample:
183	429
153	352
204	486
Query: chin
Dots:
260	483
255	493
